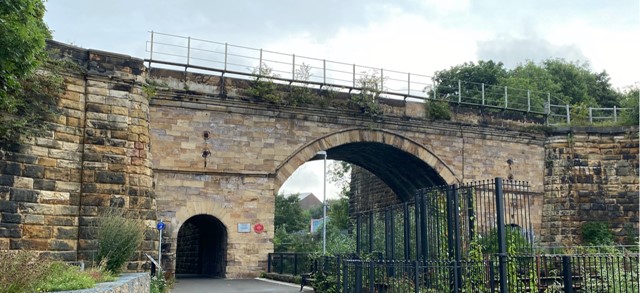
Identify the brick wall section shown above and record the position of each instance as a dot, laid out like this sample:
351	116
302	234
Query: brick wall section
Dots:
591	175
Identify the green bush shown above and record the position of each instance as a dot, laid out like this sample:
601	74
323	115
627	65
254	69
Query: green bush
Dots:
20	271
63	277
119	236
596	233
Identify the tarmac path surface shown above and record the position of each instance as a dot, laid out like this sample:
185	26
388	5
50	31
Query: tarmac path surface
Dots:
208	285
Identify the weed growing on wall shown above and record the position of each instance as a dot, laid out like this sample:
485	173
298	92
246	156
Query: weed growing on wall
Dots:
367	100
263	86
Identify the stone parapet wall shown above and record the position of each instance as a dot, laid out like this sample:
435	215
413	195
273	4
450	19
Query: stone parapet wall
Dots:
591	175
126	283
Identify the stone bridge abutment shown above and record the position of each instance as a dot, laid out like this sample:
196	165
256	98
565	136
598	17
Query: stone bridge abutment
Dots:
198	152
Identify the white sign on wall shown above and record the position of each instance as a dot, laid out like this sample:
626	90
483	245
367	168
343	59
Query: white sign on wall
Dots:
244	227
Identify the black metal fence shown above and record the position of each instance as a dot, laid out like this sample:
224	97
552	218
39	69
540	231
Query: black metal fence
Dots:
617	273
444	222
474	237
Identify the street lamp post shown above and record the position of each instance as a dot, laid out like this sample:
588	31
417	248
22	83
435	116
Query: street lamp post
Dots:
324	202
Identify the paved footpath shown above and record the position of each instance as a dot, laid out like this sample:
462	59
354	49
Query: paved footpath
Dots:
208	285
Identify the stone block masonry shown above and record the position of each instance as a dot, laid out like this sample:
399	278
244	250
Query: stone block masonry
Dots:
96	155
200	147
591	175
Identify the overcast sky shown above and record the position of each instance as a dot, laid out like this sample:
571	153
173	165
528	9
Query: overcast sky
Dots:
409	35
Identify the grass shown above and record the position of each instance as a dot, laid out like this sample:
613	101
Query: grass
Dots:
25	271
62	277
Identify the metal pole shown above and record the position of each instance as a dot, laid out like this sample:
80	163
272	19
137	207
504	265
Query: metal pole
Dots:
354	76
590	115
160	250
568	114
506	98
324	204
549	103
615	114
483	94
381	79
502	245
225	56
459	91
151	50
293	68
324	71
260	65
566	274
408	84
528	101
188	50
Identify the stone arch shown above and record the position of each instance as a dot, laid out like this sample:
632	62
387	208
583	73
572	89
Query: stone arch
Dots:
201	247
427	168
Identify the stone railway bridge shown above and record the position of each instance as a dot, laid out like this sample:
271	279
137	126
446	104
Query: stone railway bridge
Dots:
207	159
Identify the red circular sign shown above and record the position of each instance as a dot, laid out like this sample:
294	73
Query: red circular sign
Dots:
258	228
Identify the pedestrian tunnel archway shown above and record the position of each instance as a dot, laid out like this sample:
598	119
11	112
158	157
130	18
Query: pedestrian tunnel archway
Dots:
202	247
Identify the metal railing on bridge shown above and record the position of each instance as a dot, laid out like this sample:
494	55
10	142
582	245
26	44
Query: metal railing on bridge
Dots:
200	55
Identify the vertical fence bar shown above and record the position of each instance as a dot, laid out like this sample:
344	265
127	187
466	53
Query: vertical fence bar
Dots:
568	114
354	76
417	214
502	245
345	277
260	65
188	50
393	233
281	263
451	241
423	228
483	94
370	232
324	71
358	233
269	262
471	213
226	54
506	98
566	274
358	264
387	240
453	190
293	68
407	231
295	264
459	91
416	277
151	50
371	277
590	115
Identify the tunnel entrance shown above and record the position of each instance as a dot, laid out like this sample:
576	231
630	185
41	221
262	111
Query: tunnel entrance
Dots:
202	247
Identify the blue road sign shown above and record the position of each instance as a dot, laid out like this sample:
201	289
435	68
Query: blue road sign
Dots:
160	225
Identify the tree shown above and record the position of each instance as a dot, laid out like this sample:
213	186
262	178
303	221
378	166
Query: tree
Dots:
472	76
25	93
630	98
339	213
532	78
288	214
